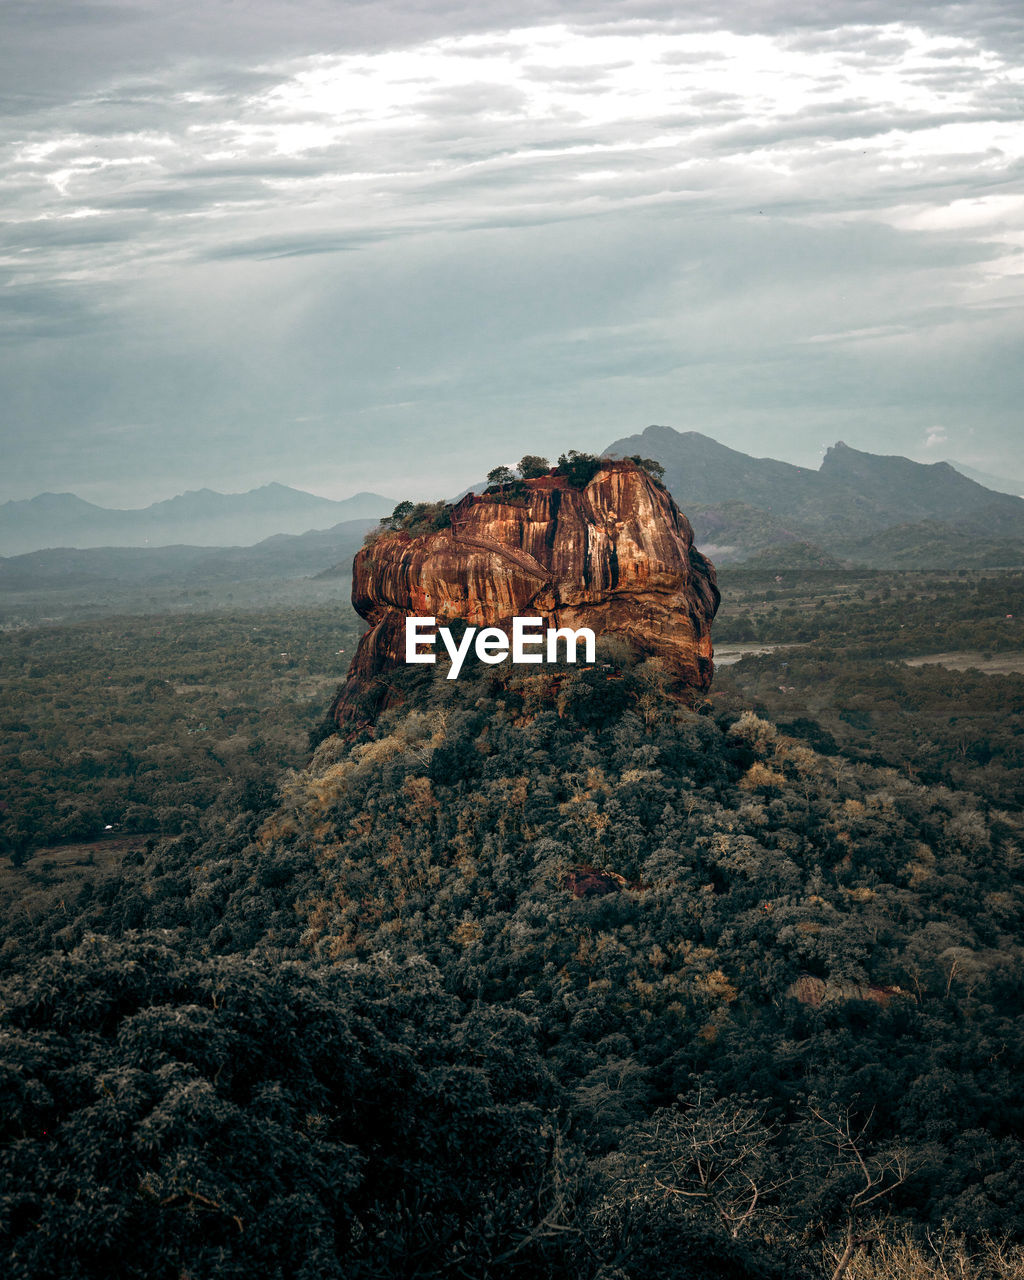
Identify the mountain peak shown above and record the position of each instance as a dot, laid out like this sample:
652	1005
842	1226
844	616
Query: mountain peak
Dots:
50	502
853	493
670	435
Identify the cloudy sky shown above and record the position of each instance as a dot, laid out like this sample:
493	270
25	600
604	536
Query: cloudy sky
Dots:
388	245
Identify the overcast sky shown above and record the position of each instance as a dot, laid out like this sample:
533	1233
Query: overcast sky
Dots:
386	246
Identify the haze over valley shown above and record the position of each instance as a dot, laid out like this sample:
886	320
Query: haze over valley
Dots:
858	510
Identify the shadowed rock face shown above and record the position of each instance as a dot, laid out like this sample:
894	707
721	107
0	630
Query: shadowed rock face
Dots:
616	556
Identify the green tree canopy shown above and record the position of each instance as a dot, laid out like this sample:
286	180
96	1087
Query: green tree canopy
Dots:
532	466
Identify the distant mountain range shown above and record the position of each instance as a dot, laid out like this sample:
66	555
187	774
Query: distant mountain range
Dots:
857	508
64	583
201	517
999	483
282	556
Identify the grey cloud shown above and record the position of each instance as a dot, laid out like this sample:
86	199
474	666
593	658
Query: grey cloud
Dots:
698	57
472	99
70	232
845	124
297	246
585	77
32	313
59	49
853	41
163	198
268	170
712	98
961	76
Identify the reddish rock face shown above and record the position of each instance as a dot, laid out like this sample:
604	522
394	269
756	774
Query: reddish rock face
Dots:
589	882
616	556
815	992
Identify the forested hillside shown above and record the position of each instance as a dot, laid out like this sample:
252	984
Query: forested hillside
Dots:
555	974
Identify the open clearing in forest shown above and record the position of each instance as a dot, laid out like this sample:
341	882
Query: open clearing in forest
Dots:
52	877
993	664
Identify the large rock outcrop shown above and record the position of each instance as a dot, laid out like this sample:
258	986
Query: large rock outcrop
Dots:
616	556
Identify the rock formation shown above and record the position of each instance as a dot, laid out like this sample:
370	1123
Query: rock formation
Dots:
616	556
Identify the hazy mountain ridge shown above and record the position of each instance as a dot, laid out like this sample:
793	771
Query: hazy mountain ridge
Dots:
743	506
64	584
999	484
199	517
859	507
280	555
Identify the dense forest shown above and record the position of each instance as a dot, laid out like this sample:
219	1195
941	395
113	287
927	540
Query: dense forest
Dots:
140	724
542	975
875	612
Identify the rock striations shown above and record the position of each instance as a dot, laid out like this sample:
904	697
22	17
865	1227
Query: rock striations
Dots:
616	555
